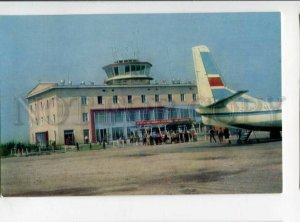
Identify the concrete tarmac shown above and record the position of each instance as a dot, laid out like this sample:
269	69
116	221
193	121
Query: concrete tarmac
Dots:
189	168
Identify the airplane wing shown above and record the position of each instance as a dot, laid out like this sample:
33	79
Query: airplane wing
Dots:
223	102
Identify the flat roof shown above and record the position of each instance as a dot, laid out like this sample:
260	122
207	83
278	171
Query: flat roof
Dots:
127	63
52	86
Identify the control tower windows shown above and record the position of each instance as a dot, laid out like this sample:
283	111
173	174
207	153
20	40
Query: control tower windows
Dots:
125	72
121	70
138	68
142	70
127	69
133	68
147	71
109	73
116	71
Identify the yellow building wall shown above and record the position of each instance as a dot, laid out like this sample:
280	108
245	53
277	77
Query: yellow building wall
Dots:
64	105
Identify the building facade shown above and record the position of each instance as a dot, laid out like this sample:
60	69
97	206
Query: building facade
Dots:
127	104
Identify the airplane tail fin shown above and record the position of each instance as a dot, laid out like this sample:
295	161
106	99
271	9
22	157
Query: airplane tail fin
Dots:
211	88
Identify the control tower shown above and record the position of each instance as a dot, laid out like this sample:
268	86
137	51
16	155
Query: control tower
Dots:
128	72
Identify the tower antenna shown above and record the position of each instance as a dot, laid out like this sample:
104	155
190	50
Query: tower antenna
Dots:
137	49
114	52
169	62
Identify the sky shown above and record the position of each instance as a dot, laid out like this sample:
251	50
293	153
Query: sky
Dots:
245	46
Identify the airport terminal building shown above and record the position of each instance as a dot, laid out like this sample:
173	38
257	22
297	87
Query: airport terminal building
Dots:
129	103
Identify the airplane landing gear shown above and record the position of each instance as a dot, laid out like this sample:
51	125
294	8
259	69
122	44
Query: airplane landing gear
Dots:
275	135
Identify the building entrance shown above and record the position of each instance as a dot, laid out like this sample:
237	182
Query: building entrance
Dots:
117	133
42	139
69	137
86	136
101	134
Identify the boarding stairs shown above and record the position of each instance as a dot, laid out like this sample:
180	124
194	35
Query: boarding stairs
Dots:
244	138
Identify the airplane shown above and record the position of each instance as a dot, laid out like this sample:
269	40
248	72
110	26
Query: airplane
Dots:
224	107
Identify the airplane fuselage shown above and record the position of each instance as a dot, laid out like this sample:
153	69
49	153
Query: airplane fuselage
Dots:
244	115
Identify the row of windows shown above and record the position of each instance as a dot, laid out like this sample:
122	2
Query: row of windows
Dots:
143	99
137	115
85	119
127	69
130	116
46	104
42	120
115	100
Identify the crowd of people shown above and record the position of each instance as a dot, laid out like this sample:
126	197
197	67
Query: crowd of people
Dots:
222	133
154	137
163	137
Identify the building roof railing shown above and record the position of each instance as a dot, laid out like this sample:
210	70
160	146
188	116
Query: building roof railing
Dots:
54	85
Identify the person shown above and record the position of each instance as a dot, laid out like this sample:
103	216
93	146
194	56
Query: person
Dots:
86	139
131	137
220	135
121	141
77	146
154	136
186	136
163	138
19	148
136	138
159	138
212	135
226	135
193	134
151	140
173	135
148	139
239	134
145	139
103	144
